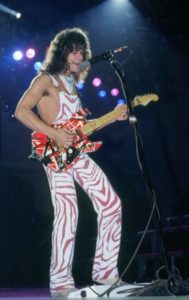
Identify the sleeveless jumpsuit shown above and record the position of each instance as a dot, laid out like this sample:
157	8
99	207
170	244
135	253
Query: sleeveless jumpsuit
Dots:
106	204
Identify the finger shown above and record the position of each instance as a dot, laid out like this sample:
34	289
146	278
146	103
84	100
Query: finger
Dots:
69	138
67	131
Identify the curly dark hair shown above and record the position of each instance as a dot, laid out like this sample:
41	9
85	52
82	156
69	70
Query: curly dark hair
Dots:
66	41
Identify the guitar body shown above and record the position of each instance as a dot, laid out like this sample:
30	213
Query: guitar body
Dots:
59	158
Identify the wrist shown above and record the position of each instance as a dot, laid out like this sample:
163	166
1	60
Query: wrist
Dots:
52	133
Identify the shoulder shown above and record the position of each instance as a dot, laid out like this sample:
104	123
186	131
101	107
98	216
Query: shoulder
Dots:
42	83
47	78
41	79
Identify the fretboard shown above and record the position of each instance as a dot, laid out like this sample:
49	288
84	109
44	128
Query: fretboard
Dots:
93	125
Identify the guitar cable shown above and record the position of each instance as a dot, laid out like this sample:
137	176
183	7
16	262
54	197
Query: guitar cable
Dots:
152	195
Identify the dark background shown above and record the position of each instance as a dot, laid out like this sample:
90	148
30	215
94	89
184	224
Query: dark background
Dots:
156	61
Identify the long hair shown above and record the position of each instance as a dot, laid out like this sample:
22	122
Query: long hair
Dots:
66	41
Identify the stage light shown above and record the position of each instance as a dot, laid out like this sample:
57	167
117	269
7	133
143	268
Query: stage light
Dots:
37	65
5	107
114	92
102	93
18	15
119	1
96	82
9	11
30	53
80	85
17	55
120	101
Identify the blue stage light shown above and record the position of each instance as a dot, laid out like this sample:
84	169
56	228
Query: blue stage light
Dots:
120	101
80	85
37	65
102	93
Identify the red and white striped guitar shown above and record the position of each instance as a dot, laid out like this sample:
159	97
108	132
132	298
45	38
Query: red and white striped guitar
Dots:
59	158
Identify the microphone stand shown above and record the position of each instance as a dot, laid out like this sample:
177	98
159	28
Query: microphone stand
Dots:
151	195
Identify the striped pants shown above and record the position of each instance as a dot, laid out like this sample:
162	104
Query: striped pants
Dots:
106	204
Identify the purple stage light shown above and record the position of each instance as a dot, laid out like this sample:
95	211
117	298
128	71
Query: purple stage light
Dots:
30	53
114	92
96	82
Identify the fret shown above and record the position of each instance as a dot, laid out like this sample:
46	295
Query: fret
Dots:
91	126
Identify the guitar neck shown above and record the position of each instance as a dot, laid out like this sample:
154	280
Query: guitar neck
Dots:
93	125
100	122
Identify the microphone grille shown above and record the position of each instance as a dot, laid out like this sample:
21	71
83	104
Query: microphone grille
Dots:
84	64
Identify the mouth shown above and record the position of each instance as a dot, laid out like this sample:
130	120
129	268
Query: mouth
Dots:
77	63
75	66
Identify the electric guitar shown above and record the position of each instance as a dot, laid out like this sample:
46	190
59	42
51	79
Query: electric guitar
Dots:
59	158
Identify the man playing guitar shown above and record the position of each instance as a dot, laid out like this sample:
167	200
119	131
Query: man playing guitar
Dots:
53	92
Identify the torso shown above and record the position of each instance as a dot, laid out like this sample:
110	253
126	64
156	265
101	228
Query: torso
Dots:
57	104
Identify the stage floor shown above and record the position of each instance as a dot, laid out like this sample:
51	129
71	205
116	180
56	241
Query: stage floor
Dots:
43	294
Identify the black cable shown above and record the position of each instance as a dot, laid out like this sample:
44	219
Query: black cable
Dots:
113	286
174	282
150	192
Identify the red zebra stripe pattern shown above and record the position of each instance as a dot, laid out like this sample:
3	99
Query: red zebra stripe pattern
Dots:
107	205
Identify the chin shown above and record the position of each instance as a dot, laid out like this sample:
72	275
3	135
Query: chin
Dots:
76	72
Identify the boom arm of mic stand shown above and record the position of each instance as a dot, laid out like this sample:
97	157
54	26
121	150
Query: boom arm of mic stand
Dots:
151	195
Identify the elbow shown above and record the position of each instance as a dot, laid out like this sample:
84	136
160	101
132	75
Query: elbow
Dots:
17	114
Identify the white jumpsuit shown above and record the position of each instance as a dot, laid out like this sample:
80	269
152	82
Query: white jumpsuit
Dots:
106	204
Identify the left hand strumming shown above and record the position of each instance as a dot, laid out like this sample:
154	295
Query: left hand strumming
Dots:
124	115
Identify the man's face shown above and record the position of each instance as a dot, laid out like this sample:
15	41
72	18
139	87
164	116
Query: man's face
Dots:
74	60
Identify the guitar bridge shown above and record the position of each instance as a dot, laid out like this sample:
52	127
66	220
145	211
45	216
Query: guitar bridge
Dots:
71	154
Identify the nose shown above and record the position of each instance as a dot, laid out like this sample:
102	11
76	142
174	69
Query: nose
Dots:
79	54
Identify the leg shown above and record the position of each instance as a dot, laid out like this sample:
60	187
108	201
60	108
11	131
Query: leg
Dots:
108	207
64	229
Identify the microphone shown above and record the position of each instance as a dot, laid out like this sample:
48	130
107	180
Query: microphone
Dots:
103	56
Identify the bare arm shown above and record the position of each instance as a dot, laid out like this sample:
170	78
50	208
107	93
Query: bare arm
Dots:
24	112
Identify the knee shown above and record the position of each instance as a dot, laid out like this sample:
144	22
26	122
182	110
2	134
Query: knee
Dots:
117	204
114	207
118	210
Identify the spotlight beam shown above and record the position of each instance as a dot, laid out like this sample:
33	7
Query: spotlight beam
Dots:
10	11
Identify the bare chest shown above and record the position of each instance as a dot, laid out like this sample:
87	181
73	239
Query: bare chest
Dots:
48	106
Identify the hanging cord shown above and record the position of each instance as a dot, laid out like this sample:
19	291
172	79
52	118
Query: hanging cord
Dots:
152	195
175	284
149	190
115	285
173	281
